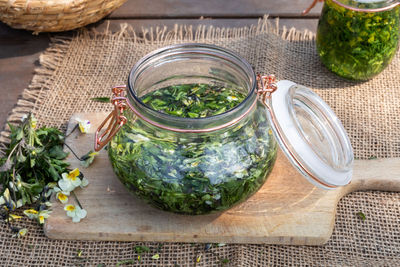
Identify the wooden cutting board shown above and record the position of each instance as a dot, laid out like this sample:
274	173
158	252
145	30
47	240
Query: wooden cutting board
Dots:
286	210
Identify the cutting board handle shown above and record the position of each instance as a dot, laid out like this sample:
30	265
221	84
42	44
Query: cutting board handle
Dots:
376	174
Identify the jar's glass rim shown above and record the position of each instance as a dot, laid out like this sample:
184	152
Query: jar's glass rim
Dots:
368	5
175	48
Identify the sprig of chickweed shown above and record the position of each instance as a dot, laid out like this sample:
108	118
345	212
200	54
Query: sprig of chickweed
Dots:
32	166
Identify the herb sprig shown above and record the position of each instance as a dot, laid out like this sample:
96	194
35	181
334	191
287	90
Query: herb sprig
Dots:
34	159
34	168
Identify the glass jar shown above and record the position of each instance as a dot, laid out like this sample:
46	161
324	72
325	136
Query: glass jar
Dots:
202	165
357	39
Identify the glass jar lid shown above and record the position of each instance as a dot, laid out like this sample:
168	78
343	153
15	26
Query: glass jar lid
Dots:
311	135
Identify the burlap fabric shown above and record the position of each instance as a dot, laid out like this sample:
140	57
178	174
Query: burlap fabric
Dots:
87	65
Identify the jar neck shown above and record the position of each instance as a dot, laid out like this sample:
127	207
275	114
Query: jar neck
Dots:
367	5
191	63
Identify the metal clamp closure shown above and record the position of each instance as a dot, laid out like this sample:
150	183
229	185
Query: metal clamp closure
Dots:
266	86
115	119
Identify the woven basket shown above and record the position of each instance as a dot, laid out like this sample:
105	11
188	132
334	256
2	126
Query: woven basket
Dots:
54	15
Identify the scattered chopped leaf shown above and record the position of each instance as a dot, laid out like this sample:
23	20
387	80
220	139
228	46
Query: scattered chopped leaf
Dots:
125	262
101	99
361	215
141	249
224	261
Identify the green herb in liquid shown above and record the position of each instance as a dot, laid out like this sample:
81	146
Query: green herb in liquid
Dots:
357	45
193	100
194	173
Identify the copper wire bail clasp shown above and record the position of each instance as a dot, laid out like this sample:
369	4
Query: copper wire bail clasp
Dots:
266	86
115	119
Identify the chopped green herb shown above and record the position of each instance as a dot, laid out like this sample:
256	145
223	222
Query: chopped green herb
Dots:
224	261
193	100
101	99
357	45
194	173
141	249
125	262
361	215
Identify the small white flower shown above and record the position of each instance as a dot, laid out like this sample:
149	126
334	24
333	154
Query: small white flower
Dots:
31	213
21	233
70	180
6	195
44	214
75	212
84	183
6	199
88	158
33	122
84	125
12	186
14	217
232	98
20	203
61	195
24	117
140	138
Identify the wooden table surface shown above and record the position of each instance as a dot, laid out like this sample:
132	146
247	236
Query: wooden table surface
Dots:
20	50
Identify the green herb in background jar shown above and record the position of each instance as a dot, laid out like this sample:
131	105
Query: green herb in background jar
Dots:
354	44
194	173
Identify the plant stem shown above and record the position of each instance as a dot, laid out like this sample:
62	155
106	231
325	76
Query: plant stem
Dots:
73	130
77	200
76	156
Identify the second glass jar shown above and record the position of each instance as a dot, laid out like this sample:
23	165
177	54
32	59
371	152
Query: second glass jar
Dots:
357	39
